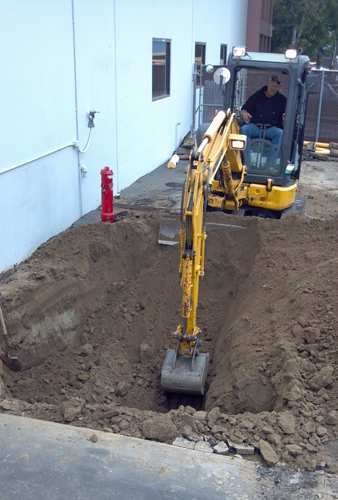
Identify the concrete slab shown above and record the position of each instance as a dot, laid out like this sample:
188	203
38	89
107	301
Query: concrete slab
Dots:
44	460
161	188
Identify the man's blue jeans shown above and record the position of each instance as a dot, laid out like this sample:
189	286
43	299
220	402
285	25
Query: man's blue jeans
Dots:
275	134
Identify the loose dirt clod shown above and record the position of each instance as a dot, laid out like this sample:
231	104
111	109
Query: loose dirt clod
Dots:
94	309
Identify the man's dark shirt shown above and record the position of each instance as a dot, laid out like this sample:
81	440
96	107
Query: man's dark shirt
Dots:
266	109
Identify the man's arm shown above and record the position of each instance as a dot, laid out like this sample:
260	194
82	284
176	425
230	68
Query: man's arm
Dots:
247	108
246	115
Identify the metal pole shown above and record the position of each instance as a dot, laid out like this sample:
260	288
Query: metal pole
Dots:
200	97
38	157
320	104
193	101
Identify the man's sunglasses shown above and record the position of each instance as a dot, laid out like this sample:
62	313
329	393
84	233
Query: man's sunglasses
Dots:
273	79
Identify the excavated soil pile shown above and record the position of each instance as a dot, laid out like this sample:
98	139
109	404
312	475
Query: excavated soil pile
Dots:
90	316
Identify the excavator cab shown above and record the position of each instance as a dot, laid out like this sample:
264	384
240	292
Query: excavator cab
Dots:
250	72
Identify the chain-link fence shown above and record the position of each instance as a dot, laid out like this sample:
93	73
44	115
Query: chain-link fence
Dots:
322	113
212	97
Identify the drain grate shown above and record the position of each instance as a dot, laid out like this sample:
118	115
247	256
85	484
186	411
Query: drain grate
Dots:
174	185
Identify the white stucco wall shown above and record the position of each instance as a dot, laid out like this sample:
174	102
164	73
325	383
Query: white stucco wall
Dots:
96	91
48	90
37	102
38	116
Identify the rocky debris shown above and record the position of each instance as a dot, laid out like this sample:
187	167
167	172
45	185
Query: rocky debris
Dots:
87	349
94	438
294	449
268	453
275	437
221	448
72	409
200	416
311	448
323	378
2	385
287	423
245	449
147	351
184	443
159	428
332	418
13	406
121	389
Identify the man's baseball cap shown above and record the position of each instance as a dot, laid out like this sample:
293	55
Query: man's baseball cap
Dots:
275	79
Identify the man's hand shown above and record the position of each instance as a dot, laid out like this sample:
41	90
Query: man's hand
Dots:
246	115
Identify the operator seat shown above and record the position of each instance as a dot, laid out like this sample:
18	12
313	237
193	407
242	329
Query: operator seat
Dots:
260	149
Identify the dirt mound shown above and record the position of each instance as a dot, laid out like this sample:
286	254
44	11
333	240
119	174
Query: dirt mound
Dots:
90	316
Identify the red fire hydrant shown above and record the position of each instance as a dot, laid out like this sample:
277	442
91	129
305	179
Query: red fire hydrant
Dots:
107	214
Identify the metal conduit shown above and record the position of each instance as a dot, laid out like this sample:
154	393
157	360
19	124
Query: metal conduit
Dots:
37	158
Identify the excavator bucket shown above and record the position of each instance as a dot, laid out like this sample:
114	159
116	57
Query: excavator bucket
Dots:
170	230
183	374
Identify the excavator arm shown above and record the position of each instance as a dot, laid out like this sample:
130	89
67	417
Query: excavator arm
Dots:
185	368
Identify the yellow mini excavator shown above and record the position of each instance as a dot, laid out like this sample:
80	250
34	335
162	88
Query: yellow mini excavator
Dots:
217	179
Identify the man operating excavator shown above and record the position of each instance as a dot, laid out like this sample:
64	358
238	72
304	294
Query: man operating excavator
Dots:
263	114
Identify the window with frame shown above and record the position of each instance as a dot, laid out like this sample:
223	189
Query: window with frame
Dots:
199	60
161	68
223	54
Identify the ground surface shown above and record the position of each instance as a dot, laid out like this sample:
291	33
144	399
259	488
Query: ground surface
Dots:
90	316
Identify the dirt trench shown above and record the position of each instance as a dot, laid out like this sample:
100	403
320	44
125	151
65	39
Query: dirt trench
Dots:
91	313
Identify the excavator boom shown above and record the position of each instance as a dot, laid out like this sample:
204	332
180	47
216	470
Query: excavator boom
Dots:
185	368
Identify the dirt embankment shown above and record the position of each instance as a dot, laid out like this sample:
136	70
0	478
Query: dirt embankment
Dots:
91	313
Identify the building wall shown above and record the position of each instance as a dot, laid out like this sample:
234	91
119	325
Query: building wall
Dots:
259	26
63	58
38	116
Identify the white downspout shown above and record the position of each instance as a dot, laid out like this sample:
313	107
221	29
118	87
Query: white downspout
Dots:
76	115
116	176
